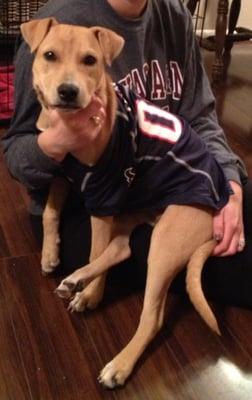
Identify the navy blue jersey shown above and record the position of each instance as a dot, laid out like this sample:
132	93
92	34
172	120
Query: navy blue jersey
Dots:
153	159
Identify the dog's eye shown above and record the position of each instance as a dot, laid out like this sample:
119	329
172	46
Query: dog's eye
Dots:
89	60
50	56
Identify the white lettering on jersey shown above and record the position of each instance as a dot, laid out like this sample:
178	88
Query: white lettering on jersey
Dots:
146	70
163	82
158	85
127	81
177	80
158	123
138	83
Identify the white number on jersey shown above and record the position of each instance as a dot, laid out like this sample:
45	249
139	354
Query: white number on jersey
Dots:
158	123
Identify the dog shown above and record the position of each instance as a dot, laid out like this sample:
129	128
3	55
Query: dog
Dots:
182	233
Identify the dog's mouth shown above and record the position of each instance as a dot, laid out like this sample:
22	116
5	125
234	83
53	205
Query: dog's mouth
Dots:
66	107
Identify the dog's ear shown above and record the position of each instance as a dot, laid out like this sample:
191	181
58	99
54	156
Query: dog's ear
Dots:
111	44
34	31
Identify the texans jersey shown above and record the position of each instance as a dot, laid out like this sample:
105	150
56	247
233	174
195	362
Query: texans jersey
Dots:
153	159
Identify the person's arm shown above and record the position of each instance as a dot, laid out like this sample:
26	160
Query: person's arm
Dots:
198	107
24	157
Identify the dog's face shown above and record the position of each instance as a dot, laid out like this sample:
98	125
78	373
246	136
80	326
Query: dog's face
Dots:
69	64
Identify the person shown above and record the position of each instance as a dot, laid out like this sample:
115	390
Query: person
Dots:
161	61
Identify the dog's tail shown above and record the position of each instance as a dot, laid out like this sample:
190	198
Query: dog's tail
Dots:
193	284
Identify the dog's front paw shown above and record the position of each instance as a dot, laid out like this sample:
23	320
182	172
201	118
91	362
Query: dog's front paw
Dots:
75	282
78	303
115	373
89	298
68	287
50	258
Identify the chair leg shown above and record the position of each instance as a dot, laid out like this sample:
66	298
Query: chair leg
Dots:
191	5
221	25
233	18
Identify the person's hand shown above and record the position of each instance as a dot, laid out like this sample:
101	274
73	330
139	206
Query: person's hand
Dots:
228	226
69	132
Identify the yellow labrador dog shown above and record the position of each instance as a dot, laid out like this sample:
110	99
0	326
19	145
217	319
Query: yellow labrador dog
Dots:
69	68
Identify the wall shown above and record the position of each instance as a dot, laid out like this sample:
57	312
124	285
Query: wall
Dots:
245	18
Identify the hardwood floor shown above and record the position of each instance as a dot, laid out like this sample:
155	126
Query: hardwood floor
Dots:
49	354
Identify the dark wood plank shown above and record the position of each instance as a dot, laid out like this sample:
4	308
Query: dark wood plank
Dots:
13	379
211	360
53	359
61	354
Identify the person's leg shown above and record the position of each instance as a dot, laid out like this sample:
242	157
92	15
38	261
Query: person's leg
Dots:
229	279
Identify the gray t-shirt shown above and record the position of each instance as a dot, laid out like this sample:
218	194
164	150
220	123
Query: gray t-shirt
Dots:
160	60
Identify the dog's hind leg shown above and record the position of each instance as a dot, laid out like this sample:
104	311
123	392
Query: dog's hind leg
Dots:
180	230
110	234
102	234
117	251
51	220
91	296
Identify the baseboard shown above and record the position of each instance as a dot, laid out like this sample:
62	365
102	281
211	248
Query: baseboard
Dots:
206	32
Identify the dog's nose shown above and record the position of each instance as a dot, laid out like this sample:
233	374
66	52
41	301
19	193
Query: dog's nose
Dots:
68	92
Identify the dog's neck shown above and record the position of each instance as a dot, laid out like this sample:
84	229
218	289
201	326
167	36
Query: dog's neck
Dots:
91	153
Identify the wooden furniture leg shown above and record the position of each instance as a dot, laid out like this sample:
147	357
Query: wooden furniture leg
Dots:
191	5
233	18
221	26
